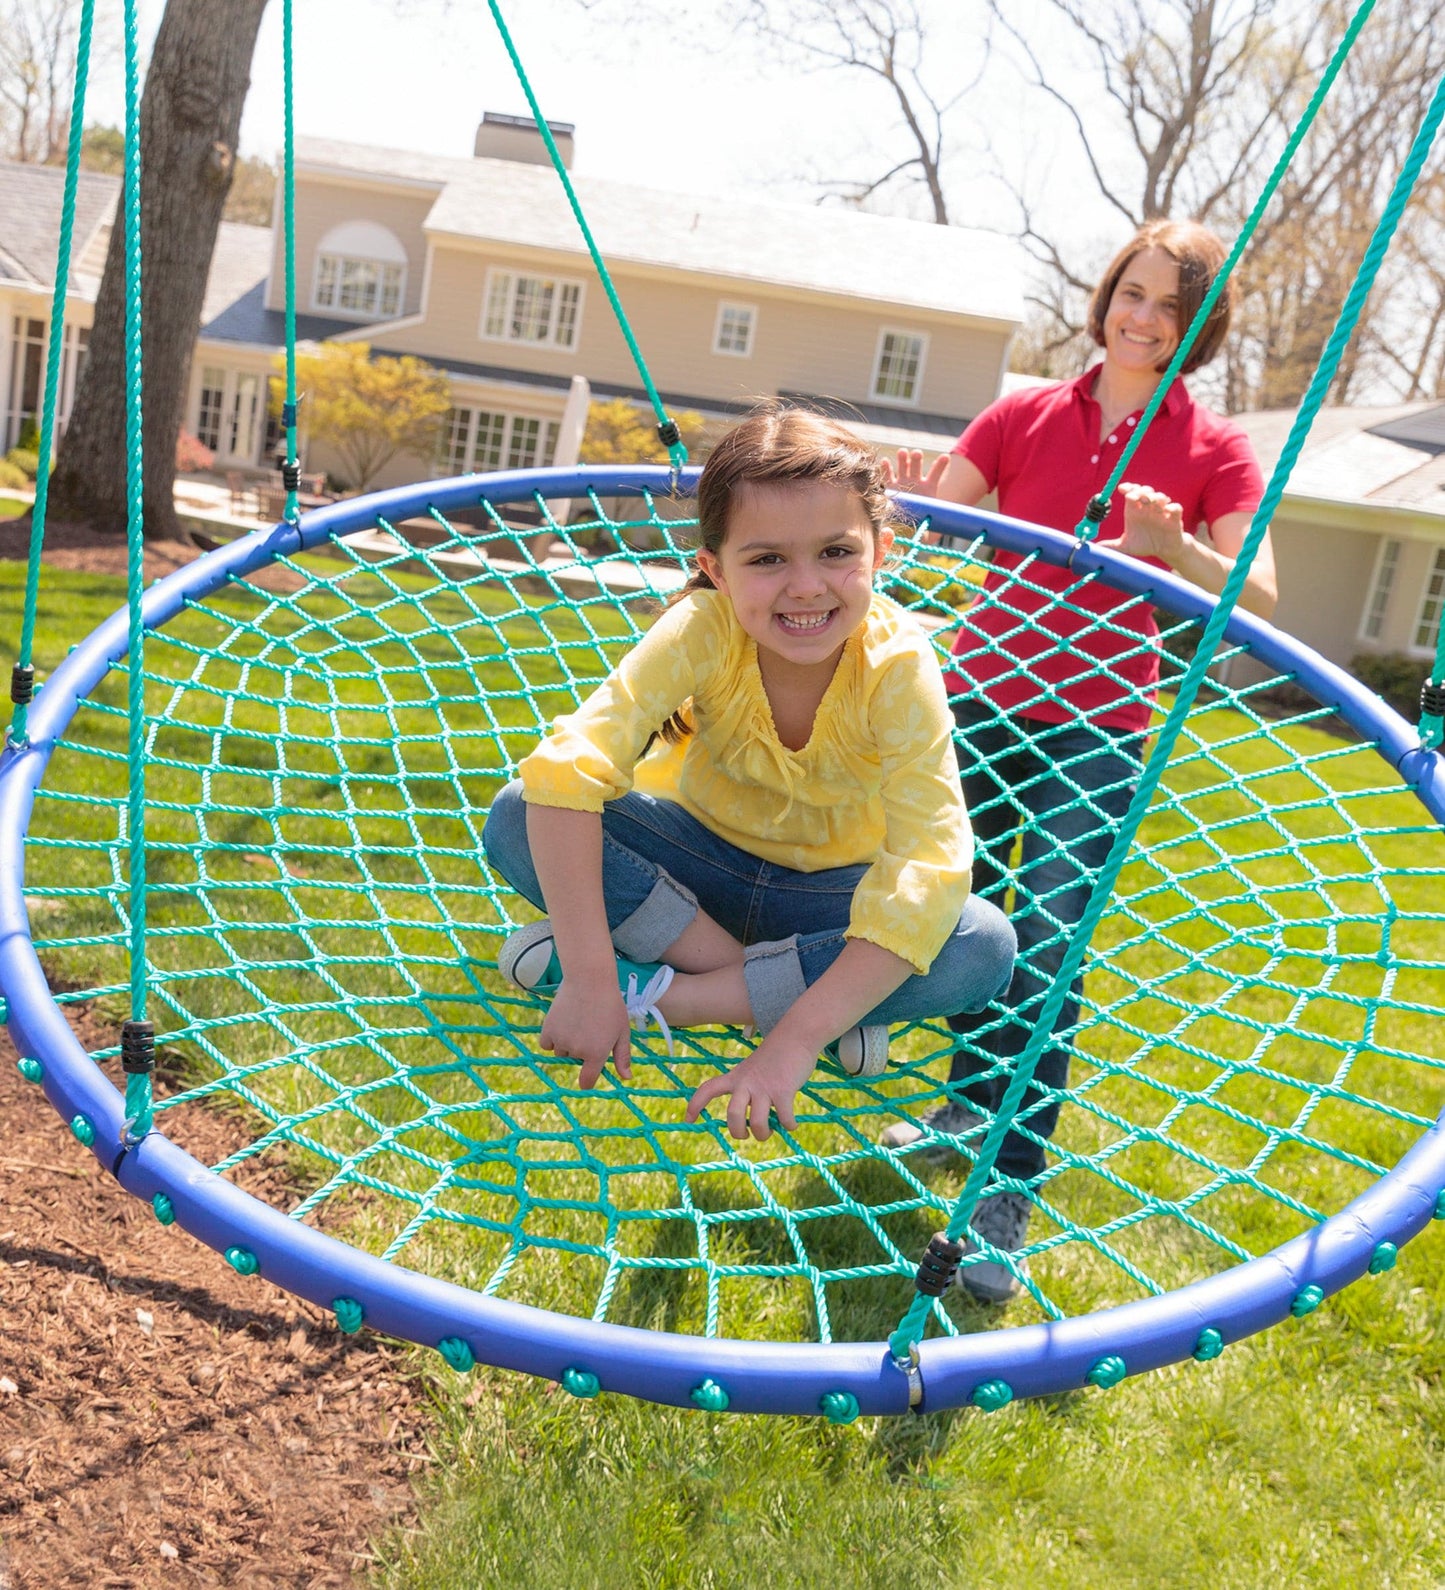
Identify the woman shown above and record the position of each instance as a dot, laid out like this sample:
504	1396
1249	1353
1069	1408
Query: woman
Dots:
1053	683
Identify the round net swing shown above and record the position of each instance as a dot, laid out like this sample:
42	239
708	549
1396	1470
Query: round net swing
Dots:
271	825
1257	1073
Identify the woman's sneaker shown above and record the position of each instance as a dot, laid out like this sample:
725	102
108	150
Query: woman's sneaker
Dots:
861	1051
938	1125
528	960
1003	1222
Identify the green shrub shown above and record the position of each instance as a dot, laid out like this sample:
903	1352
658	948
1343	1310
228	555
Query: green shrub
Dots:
12	477
25	460
1394	677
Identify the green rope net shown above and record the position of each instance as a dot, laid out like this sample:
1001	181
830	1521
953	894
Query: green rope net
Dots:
1261	1038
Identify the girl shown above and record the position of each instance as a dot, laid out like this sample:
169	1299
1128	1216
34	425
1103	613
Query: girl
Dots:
1053	697
756	818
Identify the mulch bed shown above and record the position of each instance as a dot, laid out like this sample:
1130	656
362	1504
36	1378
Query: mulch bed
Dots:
164	1420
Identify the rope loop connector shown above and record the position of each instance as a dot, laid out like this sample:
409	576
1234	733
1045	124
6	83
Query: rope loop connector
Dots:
939	1265
22	685
668	433
138	1048
291	474
1432	699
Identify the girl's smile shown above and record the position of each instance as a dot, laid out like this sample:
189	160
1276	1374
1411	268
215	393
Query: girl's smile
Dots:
798	565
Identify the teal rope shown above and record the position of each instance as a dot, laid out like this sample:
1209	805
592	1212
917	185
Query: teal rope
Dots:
676	451
137	1096
910	1330
1088	526
288	415
53	356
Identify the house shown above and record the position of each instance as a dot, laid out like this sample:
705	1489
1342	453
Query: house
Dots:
1359	535
30	205
477	265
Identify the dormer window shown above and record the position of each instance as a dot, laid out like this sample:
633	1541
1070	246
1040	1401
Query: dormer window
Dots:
545	311
360	272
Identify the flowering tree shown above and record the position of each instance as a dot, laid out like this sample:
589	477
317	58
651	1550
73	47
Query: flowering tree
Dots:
369	410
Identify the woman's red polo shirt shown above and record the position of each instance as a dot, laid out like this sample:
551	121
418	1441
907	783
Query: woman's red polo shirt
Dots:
1030	654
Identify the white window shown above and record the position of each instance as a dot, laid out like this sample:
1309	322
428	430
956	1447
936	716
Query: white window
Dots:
478	440
212	406
734	330
898	369
75	352
1427	624
228	413
1372	626
542	310
360	272
27	379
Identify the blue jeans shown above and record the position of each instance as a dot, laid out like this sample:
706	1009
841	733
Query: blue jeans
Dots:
1032	774
660	866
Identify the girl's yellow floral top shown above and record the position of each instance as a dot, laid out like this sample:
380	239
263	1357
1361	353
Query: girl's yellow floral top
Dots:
876	783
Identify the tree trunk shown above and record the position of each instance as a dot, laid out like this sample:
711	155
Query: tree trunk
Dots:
195	89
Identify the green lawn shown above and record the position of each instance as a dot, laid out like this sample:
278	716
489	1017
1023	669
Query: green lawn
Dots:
321	940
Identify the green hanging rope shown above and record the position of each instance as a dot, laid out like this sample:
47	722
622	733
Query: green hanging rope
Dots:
666	426
138	1084
22	683
1088	527
291	476
910	1329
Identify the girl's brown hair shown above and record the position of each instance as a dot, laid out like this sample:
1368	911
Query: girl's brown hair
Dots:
1199	254
777	445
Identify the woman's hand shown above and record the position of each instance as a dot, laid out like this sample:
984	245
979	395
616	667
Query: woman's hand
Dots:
765	1083
908	474
587	1021
1153	525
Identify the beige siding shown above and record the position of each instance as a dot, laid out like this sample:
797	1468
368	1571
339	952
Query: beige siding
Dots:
321	205
1324	583
819	346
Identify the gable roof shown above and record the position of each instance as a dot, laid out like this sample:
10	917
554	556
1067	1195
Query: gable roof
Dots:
952	269
31	198
1390	456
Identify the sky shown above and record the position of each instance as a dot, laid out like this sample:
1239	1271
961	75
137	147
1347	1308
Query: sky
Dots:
668	106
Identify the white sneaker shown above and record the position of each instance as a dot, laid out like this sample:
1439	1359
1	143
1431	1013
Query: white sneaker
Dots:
1003	1222
861	1051
937	1125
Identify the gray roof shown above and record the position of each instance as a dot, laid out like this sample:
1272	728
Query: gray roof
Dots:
1390	456
30	204
957	270
239	266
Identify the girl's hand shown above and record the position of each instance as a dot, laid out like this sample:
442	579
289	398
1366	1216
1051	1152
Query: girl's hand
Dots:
1153	525
909	475
587	1021
767	1081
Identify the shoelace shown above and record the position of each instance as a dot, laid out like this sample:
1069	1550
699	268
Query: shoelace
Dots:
642	1002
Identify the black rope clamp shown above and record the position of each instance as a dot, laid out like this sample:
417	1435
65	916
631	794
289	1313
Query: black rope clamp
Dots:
291	474
668	433
288	415
1097	511
138	1048
1432	699
22	685
939	1265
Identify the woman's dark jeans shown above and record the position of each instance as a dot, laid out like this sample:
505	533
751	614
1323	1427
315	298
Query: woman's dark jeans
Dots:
1067	786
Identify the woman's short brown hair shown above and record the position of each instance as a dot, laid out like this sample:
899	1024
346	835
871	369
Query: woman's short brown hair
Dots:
1199	253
